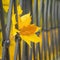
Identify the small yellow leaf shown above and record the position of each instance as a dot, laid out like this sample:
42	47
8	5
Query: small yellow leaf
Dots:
5	8
19	9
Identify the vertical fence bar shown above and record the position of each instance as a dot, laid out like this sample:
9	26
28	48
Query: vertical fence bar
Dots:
32	50
38	21
51	33
49	9
5	54
34	21
16	51
37	49
54	29
53	18
3	28
46	28
17	37
25	46
58	22
35	17
56	15
8	27
43	36
41	14
27	7
17	54
2	18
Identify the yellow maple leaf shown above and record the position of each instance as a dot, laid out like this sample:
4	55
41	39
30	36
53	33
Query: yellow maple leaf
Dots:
25	29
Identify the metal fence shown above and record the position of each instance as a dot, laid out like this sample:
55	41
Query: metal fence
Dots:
45	14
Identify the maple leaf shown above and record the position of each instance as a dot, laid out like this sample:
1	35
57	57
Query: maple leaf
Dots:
25	28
